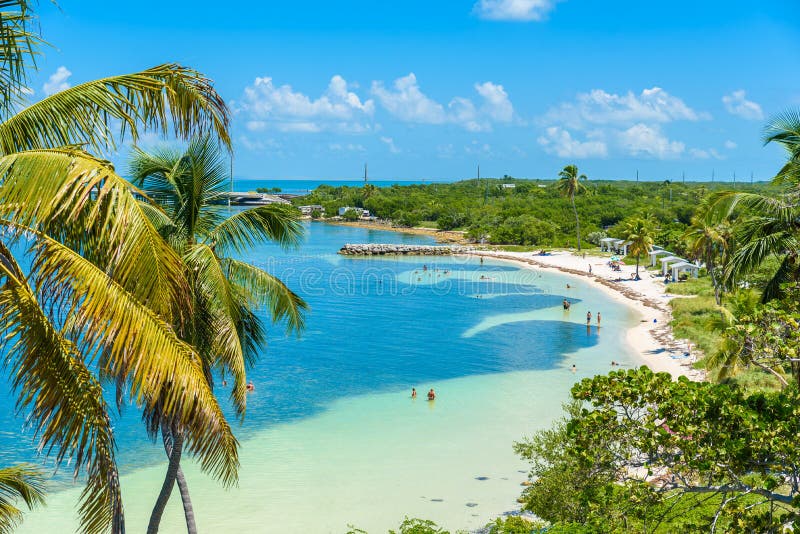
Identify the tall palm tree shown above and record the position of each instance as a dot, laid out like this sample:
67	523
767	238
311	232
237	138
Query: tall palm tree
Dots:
96	303
710	240
569	184
20	483
769	227
639	233
225	328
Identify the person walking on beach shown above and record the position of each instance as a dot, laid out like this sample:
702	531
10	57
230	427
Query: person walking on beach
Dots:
590	268
588	318
413	393
431	395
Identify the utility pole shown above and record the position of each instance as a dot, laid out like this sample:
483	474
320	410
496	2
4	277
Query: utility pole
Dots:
637	176
734	179
683	176
365	173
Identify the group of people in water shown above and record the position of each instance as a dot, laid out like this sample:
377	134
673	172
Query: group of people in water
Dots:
431	394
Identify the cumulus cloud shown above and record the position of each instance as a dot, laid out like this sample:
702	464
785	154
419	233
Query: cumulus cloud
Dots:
266	105
389	142
58	81
516	10
598	107
709	153
737	104
560	142
730	145
406	102
347	147
643	140
630	123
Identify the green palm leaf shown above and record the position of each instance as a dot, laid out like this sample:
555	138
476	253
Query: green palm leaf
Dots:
67	409
167	98
269	291
20	482
127	339
80	200
242	230
18	46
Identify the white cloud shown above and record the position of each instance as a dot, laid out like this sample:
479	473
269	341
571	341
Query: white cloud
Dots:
730	145
598	107
406	102
58	81
560	142
389	142
737	104
270	146
496	103
710	153
266	105
519	10
643	140
478	149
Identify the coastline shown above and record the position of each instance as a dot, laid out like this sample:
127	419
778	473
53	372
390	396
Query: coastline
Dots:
441	236
652	342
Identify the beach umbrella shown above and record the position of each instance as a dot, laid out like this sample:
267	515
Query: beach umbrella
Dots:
614	258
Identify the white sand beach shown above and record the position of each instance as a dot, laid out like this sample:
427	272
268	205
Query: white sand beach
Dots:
652	339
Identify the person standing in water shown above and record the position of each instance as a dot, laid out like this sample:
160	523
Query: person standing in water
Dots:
588	318
431	395
598	319
413	393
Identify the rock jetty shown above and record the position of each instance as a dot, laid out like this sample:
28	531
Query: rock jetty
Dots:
377	249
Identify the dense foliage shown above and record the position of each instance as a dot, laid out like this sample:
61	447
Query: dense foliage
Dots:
640	452
533	212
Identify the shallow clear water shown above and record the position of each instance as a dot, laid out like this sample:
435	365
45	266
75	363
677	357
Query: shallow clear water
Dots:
331	435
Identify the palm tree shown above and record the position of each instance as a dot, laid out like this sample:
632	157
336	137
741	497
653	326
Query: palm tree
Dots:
769	227
102	288
224	328
569	184
23	482
711	241
639	233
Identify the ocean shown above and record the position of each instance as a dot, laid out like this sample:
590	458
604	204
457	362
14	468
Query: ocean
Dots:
332	437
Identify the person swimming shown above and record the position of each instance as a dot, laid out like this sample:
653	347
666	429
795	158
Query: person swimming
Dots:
431	395
250	386
574	368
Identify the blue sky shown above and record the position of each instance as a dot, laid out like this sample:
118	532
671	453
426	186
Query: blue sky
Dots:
429	89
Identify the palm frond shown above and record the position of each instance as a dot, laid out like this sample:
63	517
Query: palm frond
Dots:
220	305
20	482
82	202
166	99
67	409
242	230
269	291
19	47
127	339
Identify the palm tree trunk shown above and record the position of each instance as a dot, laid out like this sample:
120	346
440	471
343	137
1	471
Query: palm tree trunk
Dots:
183	486
637	266
188	510
169	479
577	221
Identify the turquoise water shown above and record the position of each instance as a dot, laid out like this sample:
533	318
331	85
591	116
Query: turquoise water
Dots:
332	436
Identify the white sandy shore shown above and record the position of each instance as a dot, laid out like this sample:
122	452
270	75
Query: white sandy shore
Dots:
652	342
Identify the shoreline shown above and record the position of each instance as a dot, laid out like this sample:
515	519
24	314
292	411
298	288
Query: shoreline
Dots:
652	343
441	236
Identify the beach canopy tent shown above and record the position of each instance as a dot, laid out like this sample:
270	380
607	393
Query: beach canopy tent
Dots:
655	253
622	247
665	262
607	244
678	268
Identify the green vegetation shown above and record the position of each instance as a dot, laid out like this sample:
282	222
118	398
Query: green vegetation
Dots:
268	190
534	212
657	455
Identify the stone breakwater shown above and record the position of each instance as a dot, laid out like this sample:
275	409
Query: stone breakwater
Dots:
376	249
